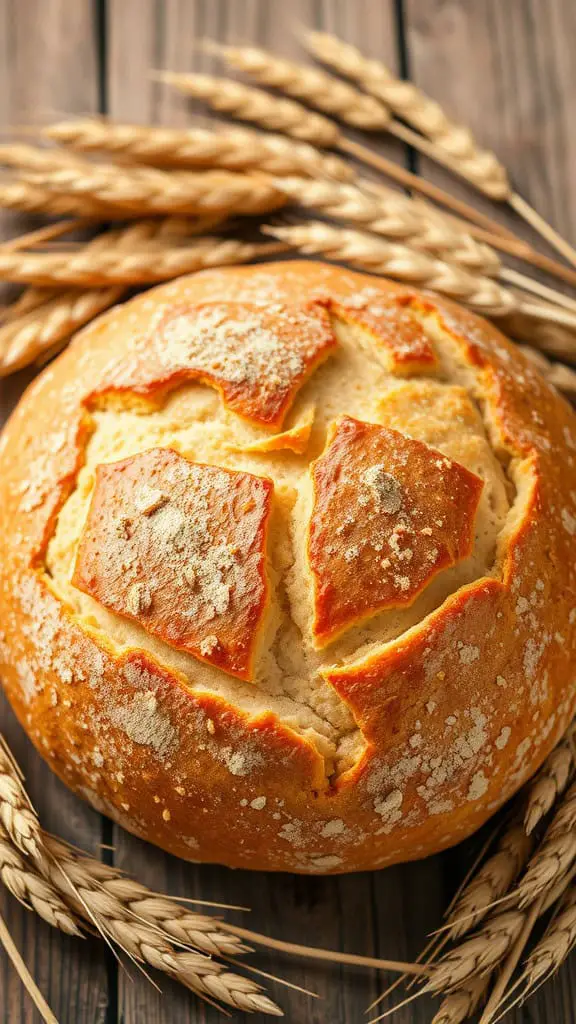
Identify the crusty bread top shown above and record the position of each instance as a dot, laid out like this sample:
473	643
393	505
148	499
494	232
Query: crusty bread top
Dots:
388	624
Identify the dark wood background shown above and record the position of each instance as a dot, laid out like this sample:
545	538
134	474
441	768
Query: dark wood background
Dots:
506	68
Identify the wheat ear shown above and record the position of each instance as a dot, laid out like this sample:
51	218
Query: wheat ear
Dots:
248	104
461	1004
145	941
24	881
31	198
24	340
147	190
394	216
89	269
491	882
410	103
554	856
548	784
557	942
19	154
478	955
17	815
236	149
367	252
454	144
314	87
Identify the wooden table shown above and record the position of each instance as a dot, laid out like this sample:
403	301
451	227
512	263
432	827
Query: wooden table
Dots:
506	68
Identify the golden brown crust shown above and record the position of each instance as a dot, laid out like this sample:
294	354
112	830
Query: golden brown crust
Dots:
454	713
180	547
389	514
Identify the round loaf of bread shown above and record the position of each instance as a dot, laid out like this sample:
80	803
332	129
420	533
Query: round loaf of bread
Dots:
287	568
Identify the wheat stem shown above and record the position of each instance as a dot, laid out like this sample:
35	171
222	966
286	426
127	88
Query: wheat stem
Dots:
330	955
532	217
25	976
235	149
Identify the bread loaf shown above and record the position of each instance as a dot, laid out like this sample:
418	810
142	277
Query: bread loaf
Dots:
287	568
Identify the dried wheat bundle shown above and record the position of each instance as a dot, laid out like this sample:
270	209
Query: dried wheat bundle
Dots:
368	252
454	145
410	103
549	783
491	881
288	116
235	149
314	87
144	191
394	216
249	104
88	269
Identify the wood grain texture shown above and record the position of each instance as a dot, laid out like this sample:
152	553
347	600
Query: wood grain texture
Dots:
507	70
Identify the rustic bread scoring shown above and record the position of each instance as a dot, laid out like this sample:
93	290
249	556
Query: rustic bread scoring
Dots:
287	568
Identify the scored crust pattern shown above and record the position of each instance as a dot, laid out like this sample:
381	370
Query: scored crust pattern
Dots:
351	713
181	548
389	514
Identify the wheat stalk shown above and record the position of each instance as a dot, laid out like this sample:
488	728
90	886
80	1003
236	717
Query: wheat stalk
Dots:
410	103
491	882
19	154
28	886
148	190
314	87
554	856
556	944
478	955
289	116
248	104
395	216
462	1003
22	341
454	145
367	252
235	149
31	198
549	783
143	266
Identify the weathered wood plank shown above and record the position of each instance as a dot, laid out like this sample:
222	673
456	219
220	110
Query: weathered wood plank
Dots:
48	65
